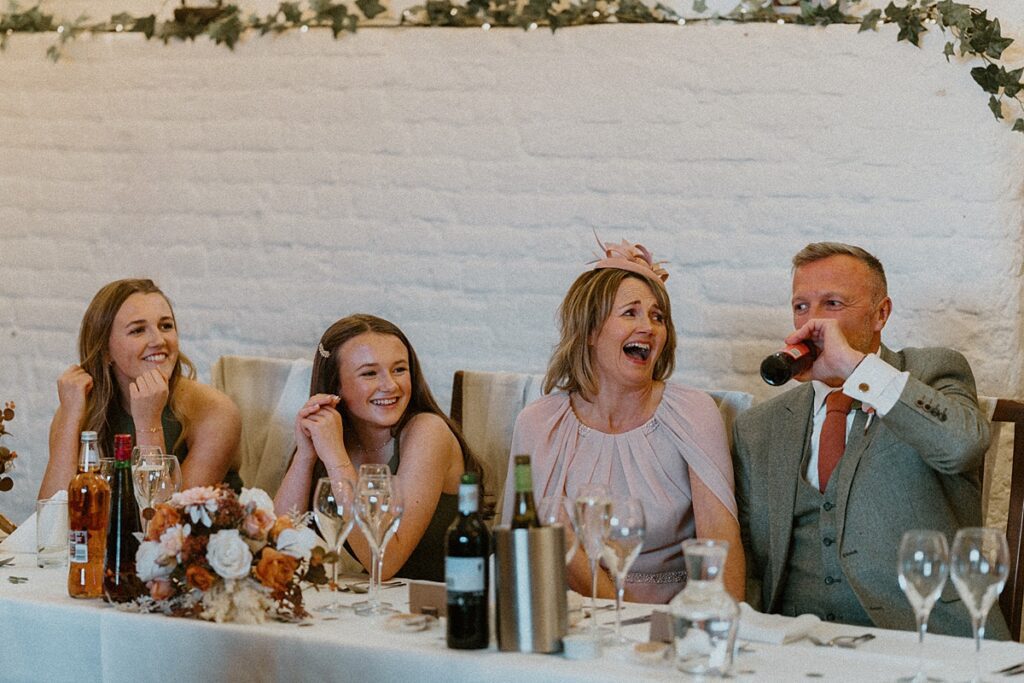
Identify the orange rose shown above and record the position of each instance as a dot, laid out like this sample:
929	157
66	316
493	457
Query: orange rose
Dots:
275	570
164	517
160	589
198	577
283	522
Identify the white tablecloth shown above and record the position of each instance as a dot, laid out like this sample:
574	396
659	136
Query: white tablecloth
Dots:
45	635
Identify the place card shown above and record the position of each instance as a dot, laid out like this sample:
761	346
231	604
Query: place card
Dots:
428	597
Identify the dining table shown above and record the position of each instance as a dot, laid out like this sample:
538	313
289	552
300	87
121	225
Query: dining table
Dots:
45	635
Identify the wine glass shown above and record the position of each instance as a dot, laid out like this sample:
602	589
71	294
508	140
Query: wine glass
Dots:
922	565
979	565
332	510
140	451
592	512
107	467
556	509
156	478
626	528
374	469
378	508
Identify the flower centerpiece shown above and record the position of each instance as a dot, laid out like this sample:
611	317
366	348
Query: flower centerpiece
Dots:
212	554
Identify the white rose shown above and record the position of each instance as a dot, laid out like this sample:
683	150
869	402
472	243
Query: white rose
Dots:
148	560
228	554
297	542
260	497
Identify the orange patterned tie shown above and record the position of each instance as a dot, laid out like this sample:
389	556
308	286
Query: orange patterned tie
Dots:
832	441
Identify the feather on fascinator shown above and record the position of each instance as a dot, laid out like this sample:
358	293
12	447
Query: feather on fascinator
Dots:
632	257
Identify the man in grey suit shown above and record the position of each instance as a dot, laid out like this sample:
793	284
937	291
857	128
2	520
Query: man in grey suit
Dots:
821	534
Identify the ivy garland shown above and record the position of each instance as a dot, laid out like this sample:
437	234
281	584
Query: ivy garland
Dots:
972	33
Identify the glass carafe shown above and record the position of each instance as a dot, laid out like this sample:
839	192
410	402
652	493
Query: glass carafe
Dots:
704	615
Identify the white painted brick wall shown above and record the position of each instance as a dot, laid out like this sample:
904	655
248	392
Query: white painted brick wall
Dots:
450	179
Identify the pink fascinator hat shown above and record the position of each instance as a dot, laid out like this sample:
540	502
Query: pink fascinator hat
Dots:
632	257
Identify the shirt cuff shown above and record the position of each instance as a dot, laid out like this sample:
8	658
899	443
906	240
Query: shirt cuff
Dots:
876	383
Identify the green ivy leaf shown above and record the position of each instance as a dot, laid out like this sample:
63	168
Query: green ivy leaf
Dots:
370	8
1018	125
700	6
987	77
948	50
227	29
870	21
955	14
291	11
995	106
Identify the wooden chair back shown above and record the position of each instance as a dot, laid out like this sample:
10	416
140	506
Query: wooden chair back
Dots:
1012	599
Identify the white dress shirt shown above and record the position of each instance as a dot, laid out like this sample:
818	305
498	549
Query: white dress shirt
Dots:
875	383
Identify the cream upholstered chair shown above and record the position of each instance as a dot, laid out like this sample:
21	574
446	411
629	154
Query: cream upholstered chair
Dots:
1003	489
269	393
730	405
485	406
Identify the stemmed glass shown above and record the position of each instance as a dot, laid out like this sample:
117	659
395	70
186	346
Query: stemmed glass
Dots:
556	509
334	515
139	451
625	537
979	567
922	565
378	508
592	513
156	478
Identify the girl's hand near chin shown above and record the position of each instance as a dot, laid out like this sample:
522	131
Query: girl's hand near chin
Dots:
148	395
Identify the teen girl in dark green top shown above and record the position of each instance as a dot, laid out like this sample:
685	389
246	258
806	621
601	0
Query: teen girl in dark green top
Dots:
368	403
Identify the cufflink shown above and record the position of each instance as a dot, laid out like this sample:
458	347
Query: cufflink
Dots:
864	386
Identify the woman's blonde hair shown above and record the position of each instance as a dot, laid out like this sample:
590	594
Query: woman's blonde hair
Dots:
94	357
586	306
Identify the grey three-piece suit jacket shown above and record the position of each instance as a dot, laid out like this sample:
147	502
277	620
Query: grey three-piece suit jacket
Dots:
916	468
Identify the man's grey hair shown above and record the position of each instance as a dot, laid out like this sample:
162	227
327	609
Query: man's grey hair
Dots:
817	251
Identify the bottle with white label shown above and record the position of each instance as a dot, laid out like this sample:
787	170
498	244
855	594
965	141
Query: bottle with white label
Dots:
88	513
465	570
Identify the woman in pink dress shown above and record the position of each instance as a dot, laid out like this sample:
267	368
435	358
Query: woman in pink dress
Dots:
613	419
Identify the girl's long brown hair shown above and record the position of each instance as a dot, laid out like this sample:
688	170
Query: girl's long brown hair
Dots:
94	357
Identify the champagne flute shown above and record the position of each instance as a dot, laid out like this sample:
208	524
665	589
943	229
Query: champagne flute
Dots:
592	512
625	537
979	565
556	509
332	510
922	565
379	508
156	479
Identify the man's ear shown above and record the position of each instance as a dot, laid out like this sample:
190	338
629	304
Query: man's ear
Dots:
882	313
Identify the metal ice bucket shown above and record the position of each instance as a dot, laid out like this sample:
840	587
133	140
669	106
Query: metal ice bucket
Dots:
532	615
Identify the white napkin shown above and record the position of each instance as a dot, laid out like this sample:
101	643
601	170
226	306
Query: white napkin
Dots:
23	540
773	628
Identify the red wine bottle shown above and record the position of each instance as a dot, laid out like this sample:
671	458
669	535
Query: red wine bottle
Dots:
120	582
465	572
782	366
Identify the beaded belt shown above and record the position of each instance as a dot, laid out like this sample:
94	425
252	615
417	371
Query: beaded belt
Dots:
656	577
